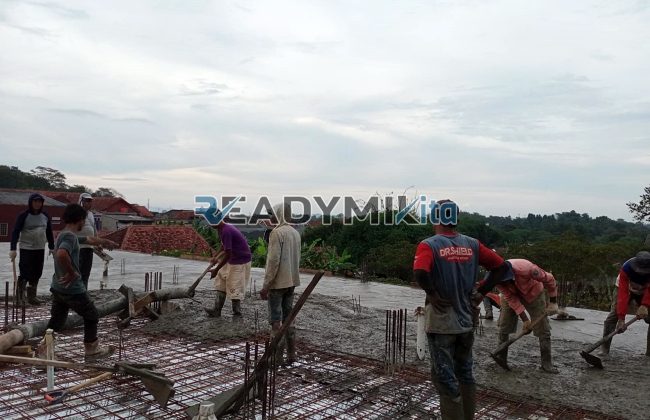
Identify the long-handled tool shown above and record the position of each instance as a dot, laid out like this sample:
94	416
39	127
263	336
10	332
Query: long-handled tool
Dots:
595	360
57	397
504	346
190	291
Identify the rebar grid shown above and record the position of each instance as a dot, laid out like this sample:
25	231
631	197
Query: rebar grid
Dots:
320	385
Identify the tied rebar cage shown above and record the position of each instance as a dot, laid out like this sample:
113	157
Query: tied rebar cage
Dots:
320	384
395	341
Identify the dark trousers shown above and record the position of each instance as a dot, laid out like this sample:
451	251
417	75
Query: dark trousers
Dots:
280	304
31	266
82	305
85	264
451	361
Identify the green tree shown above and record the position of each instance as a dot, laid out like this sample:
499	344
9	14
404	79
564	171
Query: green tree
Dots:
641	210
55	178
106	192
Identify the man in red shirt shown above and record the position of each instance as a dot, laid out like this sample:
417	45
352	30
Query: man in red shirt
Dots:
446	267
521	292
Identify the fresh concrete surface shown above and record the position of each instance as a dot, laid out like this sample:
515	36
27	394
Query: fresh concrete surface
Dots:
376	295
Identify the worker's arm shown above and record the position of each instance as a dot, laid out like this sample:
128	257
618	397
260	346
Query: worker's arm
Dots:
216	257
623	295
48	233
227	255
422	266
646	297
15	232
492	262
95	241
273	256
513	301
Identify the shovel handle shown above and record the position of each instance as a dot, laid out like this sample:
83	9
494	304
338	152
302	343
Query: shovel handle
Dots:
190	291
610	335
90	382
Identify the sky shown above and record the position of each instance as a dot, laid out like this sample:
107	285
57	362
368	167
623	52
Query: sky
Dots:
506	107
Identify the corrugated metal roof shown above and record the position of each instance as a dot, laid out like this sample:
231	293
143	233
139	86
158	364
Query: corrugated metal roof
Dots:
21	199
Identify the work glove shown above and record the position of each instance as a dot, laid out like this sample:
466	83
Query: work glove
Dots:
552	309
561	313
12	255
621	325
527	329
642	312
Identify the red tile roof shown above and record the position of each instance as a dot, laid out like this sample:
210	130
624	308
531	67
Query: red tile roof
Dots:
153	239
100	204
142	211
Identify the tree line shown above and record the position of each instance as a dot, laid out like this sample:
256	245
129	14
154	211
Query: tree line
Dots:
46	179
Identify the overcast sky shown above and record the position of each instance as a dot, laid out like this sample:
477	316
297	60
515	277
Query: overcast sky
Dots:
508	107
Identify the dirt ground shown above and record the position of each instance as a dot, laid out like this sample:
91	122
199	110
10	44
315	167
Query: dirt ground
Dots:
620	389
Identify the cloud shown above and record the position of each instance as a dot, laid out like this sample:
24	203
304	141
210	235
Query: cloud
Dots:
334	98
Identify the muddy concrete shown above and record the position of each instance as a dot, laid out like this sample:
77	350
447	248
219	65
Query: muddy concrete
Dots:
619	389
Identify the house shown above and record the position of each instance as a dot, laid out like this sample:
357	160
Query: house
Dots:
114	221
14	202
178	216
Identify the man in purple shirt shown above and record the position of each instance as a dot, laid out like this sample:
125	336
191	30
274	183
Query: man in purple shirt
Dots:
233	270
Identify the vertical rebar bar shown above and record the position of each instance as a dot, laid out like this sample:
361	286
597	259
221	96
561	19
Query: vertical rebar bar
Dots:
256	389
24	307
7	306
393	360
264	384
404	341
146	282
399	339
247	379
386	343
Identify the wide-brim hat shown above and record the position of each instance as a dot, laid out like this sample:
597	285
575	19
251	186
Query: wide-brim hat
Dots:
641	263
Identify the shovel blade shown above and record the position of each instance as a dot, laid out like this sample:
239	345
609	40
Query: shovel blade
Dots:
591	359
161	392
500	361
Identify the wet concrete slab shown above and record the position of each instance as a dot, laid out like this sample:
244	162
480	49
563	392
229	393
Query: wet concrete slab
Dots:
372	294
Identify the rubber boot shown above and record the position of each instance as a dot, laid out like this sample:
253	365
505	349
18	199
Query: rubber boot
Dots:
291	345
487	305
545	348
503	354
450	408
608	328
21	293
647	346
31	296
219	301
236	308
468	395
95	352
279	350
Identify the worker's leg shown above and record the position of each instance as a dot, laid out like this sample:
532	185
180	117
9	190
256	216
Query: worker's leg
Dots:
275	320
220	299
508	319
441	347
610	324
287	306
85	264
463	367
236	285
31	269
58	317
542	330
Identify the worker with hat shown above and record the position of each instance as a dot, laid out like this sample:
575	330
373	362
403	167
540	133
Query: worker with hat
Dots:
32	230
631	289
522	290
90	229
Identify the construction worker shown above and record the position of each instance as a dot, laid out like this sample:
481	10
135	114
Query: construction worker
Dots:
90	229
233	271
32	229
446	267
522	290
281	276
68	290
631	287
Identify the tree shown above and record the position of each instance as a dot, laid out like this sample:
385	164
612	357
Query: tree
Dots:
54	177
641	210
106	192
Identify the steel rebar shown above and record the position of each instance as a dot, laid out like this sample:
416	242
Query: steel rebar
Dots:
7	307
404	340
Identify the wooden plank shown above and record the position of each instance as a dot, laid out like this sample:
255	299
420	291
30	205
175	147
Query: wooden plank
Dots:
19	350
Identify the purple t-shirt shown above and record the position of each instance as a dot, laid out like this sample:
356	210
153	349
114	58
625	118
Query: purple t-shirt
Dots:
233	239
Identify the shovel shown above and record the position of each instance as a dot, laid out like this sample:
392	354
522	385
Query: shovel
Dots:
504	346
595	360
57	397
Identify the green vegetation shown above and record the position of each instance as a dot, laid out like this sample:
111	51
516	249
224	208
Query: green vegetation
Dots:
46	179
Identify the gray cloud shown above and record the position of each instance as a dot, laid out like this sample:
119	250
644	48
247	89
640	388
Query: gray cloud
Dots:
80	112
